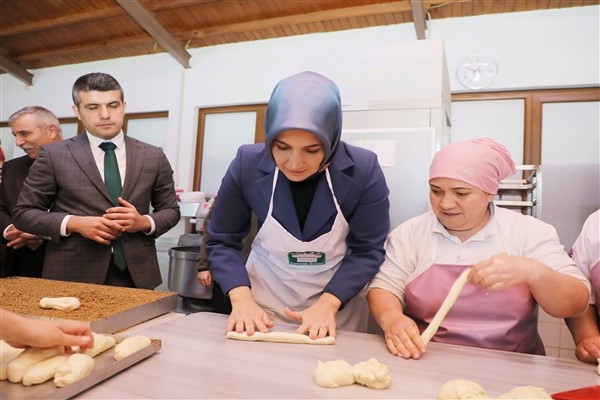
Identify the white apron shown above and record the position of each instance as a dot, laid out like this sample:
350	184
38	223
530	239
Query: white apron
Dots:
287	272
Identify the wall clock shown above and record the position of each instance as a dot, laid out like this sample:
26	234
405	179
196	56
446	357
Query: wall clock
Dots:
477	71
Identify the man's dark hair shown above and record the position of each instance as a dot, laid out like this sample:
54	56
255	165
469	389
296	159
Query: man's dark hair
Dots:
97	81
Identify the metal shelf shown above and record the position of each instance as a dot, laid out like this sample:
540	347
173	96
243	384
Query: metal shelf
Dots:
523	194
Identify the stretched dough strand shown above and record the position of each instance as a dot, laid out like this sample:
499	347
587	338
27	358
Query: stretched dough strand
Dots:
446	306
280	337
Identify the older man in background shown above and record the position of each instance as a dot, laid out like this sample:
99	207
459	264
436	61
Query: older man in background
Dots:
32	128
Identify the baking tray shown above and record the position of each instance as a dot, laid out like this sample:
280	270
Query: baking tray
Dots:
105	367
28	291
133	316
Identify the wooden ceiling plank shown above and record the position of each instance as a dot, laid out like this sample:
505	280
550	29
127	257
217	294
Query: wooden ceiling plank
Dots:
145	18
317	16
8	65
88	47
58	22
419	18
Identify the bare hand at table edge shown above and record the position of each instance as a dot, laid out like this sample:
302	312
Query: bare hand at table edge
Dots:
246	315
19	331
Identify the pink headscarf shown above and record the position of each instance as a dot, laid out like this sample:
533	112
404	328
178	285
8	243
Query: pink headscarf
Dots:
482	163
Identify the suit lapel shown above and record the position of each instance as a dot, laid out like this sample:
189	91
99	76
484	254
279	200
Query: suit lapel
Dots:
323	209
134	166
79	146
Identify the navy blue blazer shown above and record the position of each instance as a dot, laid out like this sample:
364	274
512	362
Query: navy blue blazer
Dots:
359	186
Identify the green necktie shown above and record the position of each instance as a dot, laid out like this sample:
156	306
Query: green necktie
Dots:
112	179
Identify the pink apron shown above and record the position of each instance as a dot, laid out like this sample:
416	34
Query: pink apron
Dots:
287	272
502	320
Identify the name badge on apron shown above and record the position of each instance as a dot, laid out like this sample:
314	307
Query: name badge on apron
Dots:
306	258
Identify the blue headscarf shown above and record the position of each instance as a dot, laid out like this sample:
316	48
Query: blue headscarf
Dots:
310	102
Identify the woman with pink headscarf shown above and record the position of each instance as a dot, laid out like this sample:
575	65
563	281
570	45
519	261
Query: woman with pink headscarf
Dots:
516	261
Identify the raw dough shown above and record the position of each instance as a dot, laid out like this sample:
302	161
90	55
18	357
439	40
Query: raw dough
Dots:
526	392
44	370
332	374
446	305
60	303
101	344
77	366
29	357
130	346
372	374
461	389
280	337
7	354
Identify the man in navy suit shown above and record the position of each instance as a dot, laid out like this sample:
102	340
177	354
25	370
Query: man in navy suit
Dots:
87	230
32	127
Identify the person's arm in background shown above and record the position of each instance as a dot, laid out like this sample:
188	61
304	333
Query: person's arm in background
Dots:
19	331
202	263
585	332
585	328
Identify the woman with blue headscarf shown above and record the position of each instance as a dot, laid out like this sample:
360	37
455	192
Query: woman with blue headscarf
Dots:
323	213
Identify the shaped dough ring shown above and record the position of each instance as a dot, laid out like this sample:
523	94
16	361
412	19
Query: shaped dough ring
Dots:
280	337
78	366
60	303
131	345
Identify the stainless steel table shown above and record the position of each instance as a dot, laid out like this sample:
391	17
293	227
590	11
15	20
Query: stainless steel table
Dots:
197	361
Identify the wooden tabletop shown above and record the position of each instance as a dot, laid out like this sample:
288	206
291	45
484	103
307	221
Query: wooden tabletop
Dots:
197	361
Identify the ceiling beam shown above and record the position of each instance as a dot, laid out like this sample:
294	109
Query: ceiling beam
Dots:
145	18
297	19
419	18
8	65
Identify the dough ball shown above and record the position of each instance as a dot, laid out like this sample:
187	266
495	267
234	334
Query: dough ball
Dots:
76	367
101	344
526	393
44	370
372	374
60	303
131	345
332	374
461	389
